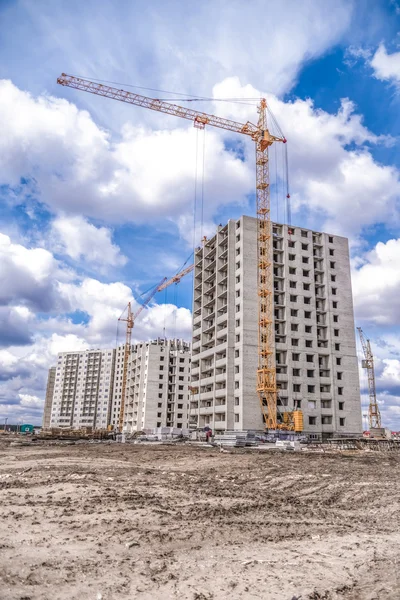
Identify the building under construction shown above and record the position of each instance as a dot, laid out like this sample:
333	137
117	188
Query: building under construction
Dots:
315	347
273	333
84	390
158	385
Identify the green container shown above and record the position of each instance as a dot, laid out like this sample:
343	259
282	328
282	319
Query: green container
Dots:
26	428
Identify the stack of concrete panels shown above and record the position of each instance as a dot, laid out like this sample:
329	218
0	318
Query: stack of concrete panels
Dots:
233	439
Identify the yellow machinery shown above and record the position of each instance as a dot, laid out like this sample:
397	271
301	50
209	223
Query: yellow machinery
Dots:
374	415
263	139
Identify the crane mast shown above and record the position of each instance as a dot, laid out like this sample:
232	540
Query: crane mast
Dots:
266	372
374	415
130	322
260	134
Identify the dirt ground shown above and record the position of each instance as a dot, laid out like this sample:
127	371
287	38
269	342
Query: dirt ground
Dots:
109	521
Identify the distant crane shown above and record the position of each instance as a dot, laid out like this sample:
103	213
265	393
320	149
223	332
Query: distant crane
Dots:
130	322
374	415
262	137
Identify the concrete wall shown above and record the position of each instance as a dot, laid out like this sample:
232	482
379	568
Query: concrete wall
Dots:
51	378
158	380
314	330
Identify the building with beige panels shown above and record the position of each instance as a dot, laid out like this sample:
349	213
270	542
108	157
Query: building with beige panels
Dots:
315	344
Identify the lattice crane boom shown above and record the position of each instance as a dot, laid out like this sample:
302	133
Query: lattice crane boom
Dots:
374	415
130	322
260	134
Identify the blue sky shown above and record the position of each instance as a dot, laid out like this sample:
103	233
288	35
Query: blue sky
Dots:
97	196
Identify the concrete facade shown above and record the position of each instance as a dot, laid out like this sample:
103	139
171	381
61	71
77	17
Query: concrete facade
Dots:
83	389
48	403
315	344
158	385
117	386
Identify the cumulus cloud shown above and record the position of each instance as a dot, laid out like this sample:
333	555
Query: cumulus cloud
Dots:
386	66
79	239
15	327
376	284
29	401
11	366
176	321
28	276
32	343
175	42
332	170
74	166
146	175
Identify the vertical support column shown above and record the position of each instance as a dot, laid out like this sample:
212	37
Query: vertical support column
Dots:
266	372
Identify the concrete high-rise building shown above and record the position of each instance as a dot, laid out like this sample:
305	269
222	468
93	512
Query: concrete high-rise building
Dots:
116	398
48	403
315	346
83	389
158	385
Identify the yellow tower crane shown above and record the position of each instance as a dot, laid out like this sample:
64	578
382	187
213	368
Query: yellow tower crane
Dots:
374	415
263	139
130	322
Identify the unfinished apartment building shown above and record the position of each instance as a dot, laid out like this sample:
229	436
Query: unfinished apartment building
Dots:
315	344
158	385
116	397
51	379
83	387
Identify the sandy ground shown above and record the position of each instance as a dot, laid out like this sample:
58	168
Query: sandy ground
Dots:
200	524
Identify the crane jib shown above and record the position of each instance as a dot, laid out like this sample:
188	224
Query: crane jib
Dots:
266	371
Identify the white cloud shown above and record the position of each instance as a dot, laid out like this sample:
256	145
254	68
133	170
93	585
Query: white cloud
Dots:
386	66
177	323
345	189
79	239
355	53
391	372
184	50
15	326
28	276
75	167
34	342
29	401
376	284
147	175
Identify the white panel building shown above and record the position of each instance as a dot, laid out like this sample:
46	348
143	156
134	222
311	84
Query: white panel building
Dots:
83	388
116	398
158	385
315	345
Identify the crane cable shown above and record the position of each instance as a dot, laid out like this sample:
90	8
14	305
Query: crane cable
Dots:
175	310
195	191
288	203
165	314
202	183
191	98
